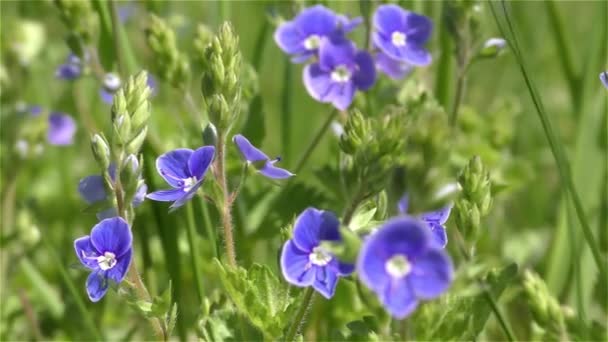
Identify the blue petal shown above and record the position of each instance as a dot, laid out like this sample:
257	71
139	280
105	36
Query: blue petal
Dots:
186	196
418	28
92	189
438	216
416	55
341	268
173	166
314	225
296	266
365	76
399	299
347	24
200	160
274	172
389	18
166	195
107	213
106	96
341	95
112	235
439	234
68	71
432	274
248	151
97	285
317	20
289	38
61	129
325	282
119	271
318	82
604	78
85	249
391	67
333	53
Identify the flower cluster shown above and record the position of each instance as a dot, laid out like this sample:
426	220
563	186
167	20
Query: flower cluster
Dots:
338	68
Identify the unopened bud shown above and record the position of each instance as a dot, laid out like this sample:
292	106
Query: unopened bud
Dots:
101	151
492	48
210	135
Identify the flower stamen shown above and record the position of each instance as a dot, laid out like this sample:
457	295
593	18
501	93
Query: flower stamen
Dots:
398	38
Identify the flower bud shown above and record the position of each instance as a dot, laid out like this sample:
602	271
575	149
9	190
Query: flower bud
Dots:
210	135
101	151
219	111
492	48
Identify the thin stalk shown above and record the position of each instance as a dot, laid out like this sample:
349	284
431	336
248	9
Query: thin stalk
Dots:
556	148
315	141
30	315
460	88
443	82
286	110
115	27
124	52
189	100
194	252
226	207
84	313
575	264
298	320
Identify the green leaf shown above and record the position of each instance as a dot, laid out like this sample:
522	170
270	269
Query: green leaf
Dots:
258	295
106	41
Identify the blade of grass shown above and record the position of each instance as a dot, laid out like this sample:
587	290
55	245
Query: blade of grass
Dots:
510	35
445	71
286	110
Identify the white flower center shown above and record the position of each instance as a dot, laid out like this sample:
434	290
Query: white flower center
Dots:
319	257
398	266
341	74
398	38
189	183
312	42
106	261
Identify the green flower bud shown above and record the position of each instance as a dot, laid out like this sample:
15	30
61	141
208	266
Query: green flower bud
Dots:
218	110
130	113
546	310
101	151
210	135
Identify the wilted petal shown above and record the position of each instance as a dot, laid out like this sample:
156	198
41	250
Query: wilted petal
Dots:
274	172
200	160
85	249
166	195
365	75
296	265
61	129
92	189
97	285
119	271
248	151
173	166
325	282
431	275
112	235
399	299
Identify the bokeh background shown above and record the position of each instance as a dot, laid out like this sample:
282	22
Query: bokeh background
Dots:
532	223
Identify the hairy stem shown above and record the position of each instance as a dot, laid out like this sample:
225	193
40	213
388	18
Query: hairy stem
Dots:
298	320
226	207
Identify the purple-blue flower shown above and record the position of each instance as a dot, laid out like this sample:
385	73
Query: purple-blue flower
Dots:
259	159
435	220
107	253
71	69
93	190
61	129
391	67
304	262
340	71
184	170
302	36
604	78
401	34
402	264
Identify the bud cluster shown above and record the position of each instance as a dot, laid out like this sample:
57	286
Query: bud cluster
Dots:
476	198
220	83
169	63
546	311
82	22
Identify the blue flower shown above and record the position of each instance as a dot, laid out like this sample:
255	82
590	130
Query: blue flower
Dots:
604	78
71	69
402	264
301	37
259	159
184	170
61	129
93	190
340	71
303	260
435	220
107	253
401	35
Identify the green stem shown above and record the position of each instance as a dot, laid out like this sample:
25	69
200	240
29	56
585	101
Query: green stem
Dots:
194	253
460	87
556	147
115	27
575	264
286	110
84	313
315	141
298	320
226	206
124	52
443	82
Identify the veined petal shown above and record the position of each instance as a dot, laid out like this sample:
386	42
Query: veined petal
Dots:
186	196
92	189
166	195
173	166
439	234
325	281
274	172
61	129
200	160
289	38
97	285
314	225
416	55
318	82
249	152
140	195
119	271
431	275
438	216
296	266
389	18
317	20
112	235
342	95
399	299
365	76
85	251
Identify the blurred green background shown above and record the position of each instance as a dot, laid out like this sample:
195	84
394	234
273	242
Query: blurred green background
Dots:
564	43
